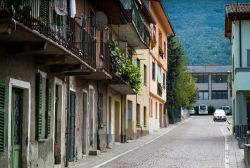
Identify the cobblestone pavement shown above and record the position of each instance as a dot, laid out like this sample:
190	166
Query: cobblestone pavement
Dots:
197	142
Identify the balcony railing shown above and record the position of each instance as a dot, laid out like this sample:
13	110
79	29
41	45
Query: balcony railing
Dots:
133	15
35	16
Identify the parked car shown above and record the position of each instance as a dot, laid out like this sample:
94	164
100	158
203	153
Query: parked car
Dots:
203	109
219	115
191	111
226	109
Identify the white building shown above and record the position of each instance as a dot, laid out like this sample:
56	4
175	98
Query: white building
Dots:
237	29
213	84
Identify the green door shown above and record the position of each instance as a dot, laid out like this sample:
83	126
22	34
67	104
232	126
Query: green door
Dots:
17	107
72	126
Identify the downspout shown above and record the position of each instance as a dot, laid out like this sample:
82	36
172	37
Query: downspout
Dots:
67	126
98	118
121	122
240	43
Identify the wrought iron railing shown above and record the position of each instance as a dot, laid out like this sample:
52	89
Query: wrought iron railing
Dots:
133	15
242	131
36	16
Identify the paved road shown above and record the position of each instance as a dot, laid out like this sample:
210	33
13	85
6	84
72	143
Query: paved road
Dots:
197	143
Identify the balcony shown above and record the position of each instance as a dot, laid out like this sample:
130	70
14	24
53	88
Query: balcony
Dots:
135	31
126	76
29	24
102	63
241	79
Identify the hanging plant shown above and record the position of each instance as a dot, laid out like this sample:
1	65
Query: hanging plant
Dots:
123	66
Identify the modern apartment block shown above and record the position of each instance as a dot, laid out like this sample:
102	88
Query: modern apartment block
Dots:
237	29
213	84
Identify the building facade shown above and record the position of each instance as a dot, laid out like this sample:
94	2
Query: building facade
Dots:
63	95
213	83
158	65
237	29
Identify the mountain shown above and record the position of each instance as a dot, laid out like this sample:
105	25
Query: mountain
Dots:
200	24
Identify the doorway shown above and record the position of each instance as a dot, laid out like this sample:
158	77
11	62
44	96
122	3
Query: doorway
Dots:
57	124
16	127
117	121
71	121
85	124
91	117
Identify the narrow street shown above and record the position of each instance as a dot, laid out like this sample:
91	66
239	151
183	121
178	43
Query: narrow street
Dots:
198	142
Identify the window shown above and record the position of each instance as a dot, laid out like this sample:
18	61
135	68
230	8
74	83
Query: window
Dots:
165	50
219	78
156	110
145	116
2	117
100	107
43	106
201	78
138	114
219	94
154	34
145	75
160	39
153	71
248	57
138	62
203	95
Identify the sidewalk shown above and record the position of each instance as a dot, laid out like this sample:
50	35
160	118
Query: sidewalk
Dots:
234	153
120	149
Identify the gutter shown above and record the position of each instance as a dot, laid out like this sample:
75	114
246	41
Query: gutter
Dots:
240	43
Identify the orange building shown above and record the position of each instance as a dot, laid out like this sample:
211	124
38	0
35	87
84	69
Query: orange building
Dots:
158	64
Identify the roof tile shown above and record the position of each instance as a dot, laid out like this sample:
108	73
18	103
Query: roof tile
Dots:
238	8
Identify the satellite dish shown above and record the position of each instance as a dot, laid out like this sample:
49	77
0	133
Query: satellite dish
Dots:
101	20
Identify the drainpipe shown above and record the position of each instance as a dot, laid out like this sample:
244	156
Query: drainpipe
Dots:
121	122
240	43
98	118
67	126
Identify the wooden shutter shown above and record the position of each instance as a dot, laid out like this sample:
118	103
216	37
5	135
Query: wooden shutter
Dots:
48	108
2	103
39	104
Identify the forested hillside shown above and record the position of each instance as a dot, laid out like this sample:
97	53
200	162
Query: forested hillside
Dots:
199	24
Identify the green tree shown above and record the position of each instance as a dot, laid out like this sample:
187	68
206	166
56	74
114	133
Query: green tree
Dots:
181	90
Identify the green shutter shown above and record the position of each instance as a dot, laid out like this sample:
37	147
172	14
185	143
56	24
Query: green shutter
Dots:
2	130
48	108
39	94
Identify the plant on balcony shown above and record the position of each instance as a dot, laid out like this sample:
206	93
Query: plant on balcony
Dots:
123	66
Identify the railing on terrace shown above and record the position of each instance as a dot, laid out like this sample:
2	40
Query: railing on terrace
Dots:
242	131
133	13
35	15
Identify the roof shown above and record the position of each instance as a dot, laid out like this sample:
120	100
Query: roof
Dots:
238	8
164	10
240	11
209	68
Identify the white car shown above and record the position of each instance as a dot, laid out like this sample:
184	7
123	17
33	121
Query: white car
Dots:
191	111
220	115
226	109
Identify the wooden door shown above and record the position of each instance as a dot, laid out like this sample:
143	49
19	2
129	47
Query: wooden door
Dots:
17	110
71	126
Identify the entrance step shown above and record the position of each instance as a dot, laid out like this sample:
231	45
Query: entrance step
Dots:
94	152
